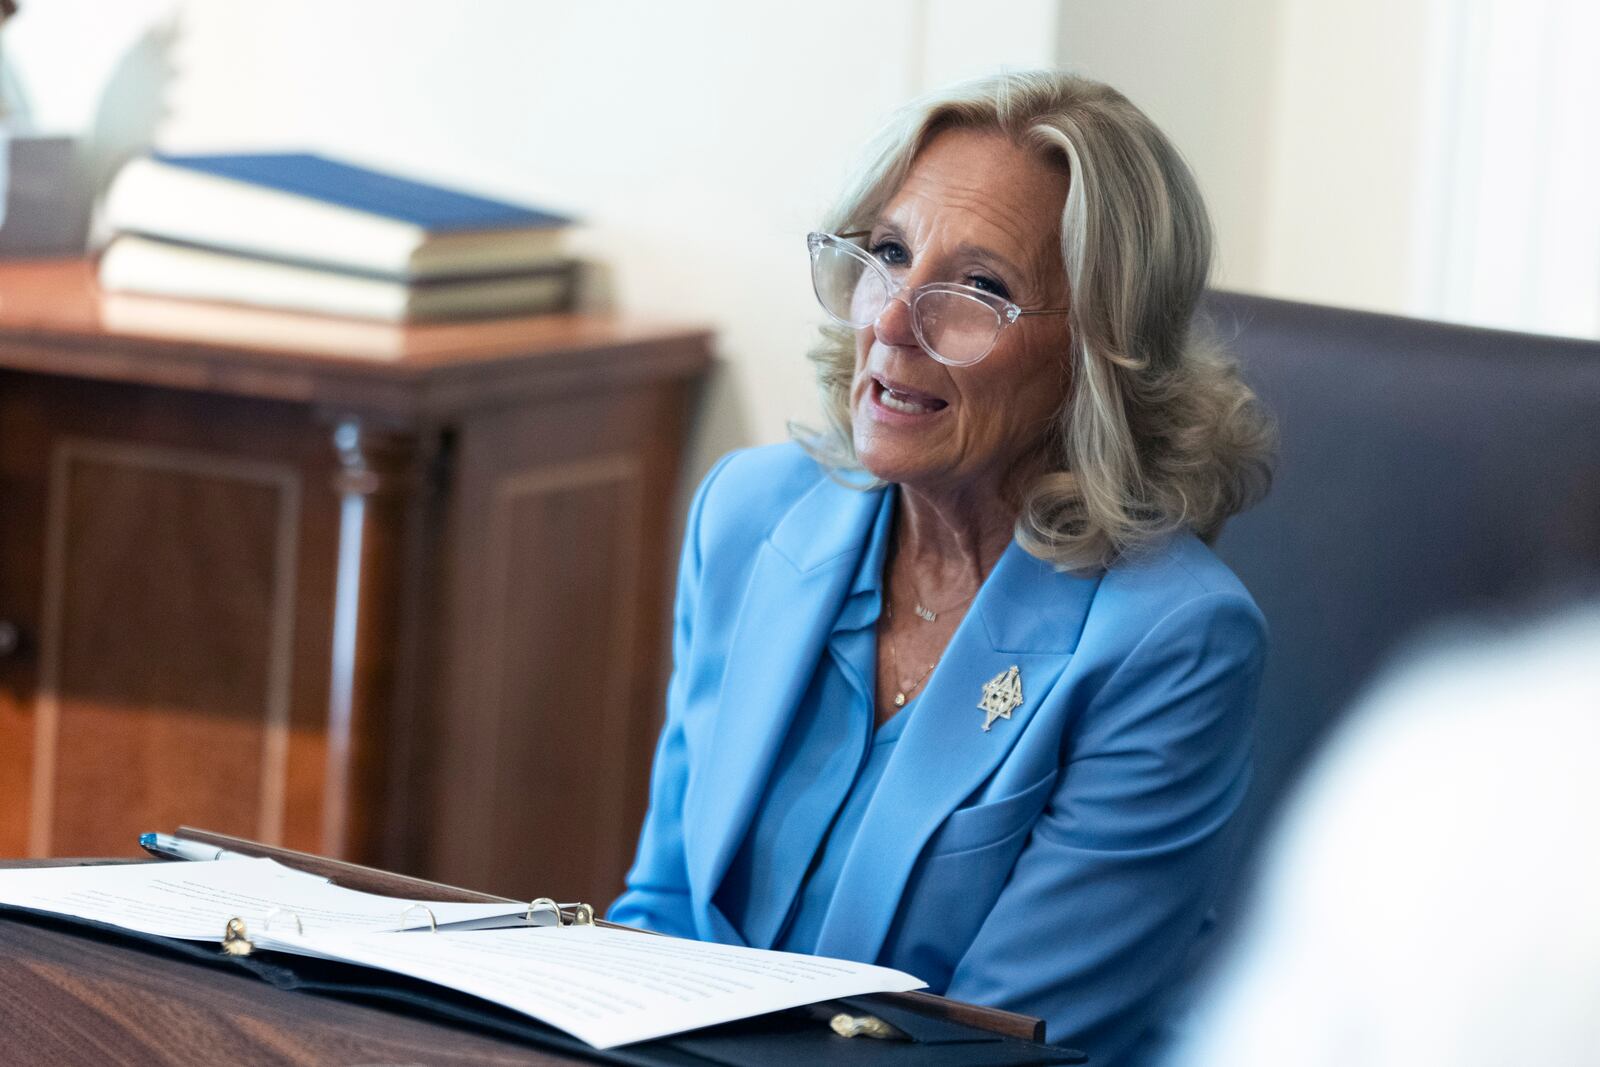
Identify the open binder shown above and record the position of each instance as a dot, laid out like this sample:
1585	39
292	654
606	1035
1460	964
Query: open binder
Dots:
930	1029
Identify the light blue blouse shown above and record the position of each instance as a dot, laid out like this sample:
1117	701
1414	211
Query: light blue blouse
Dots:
781	882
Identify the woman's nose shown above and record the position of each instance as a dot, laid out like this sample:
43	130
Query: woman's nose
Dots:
893	324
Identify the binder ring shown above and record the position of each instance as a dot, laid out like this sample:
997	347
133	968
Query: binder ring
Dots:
433	924
299	927
542	904
584	915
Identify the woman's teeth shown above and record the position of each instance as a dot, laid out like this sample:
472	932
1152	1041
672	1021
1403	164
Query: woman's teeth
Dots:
896	402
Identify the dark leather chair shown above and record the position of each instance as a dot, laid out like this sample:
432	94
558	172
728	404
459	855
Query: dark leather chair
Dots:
1426	472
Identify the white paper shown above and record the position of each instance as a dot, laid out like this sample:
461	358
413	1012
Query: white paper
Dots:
610	987
195	900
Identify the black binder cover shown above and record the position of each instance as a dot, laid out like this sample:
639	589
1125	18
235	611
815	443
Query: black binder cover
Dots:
795	1038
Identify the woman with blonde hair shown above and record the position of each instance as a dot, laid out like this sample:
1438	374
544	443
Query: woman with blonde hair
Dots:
958	686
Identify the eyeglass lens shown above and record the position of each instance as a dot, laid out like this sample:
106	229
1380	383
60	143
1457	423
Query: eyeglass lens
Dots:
955	327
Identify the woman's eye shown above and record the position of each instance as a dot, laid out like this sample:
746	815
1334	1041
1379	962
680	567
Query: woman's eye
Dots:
989	285
891	253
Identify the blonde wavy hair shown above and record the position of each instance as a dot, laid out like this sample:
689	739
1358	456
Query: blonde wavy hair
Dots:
1158	433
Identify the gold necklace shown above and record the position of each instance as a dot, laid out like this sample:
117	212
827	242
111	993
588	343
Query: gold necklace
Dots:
906	688
927	614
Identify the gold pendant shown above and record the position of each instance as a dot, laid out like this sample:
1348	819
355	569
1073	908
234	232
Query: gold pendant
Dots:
925	614
1001	695
899	700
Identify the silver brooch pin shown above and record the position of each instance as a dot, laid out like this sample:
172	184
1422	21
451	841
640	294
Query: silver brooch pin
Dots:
1001	695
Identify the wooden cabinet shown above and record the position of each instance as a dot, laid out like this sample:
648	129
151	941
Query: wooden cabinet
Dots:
396	595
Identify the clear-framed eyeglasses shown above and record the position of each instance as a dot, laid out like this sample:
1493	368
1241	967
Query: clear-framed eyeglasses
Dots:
955	324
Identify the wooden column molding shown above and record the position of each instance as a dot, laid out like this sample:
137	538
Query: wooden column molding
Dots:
375	478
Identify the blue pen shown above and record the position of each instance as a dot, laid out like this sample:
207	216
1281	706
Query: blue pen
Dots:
179	849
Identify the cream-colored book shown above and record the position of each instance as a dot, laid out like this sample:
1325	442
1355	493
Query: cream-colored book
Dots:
137	264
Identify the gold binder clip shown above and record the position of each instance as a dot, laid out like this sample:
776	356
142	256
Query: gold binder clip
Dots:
433	924
846	1025
234	941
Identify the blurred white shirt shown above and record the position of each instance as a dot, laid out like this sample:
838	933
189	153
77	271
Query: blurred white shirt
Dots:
1433	895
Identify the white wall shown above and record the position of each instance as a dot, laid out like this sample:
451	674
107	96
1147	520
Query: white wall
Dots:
1510	235
1348	146
1422	157
1302	120
1206	71
700	139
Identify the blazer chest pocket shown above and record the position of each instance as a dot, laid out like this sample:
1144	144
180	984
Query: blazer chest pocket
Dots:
983	825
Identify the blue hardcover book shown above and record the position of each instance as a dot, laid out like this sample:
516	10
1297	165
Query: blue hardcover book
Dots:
308	209
431	207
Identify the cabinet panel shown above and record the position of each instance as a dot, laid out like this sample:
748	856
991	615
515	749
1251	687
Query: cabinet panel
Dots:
169	558
165	646
563	542
560	565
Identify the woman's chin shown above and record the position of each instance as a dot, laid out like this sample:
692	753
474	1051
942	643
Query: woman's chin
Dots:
900	447
900	466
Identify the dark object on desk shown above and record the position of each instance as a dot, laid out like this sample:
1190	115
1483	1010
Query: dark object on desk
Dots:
46	209
335	584
1426	471
805	1040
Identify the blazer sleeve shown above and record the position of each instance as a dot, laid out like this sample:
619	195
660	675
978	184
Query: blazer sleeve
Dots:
657	893
1111	890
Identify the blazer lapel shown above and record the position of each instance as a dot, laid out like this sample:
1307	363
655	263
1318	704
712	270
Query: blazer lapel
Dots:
1027	615
800	578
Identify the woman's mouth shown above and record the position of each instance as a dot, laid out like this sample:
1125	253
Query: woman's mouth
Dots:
903	399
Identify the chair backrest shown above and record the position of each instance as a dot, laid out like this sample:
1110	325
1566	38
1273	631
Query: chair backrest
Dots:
1425	472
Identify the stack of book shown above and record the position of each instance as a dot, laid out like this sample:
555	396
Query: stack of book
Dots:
306	233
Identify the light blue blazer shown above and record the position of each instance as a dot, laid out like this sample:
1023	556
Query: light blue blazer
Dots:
1060	864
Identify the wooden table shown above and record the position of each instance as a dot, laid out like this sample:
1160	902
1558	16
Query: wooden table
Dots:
394	594
71	1000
